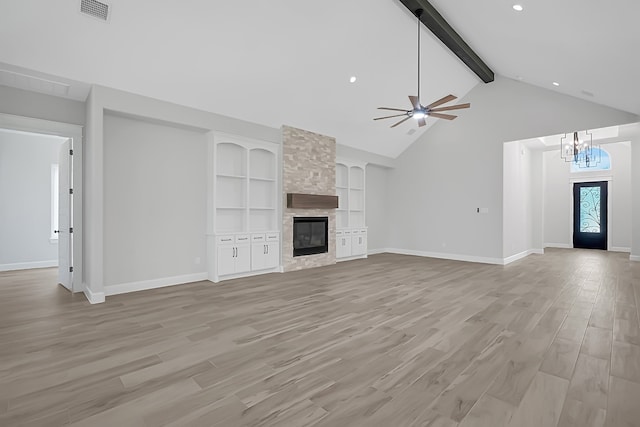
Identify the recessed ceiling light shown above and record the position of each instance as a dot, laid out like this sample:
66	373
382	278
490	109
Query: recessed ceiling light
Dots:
556	84
518	7
353	79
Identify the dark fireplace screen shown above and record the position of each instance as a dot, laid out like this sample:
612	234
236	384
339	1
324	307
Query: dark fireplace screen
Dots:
310	235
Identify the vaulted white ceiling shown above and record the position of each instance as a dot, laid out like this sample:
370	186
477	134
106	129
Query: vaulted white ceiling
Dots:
289	61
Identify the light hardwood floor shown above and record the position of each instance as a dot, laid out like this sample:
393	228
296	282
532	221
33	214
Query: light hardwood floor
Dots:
551	340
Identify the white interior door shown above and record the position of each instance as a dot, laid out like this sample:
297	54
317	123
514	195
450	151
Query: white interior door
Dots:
65	224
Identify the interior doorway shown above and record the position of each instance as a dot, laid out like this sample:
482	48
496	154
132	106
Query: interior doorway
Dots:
63	172
590	215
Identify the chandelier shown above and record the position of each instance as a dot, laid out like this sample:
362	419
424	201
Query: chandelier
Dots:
580	152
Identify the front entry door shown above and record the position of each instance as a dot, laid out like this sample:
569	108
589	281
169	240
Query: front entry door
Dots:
590	215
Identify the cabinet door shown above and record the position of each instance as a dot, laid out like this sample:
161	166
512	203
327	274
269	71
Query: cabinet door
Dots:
226	260
272	257
358	245
258	255
243	258
347	246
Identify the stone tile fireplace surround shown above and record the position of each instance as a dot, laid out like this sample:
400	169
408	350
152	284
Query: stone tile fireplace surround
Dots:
309	167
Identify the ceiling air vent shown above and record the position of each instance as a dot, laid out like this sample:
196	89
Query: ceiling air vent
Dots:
95	8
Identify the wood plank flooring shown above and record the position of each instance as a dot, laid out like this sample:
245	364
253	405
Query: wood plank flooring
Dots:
551	340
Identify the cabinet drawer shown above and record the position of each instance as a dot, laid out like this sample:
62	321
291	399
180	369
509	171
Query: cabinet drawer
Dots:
273	237
355	232
346	232
363	231
339	233
257	237
242	238
225	240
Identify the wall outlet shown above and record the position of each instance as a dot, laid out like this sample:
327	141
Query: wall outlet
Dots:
482	210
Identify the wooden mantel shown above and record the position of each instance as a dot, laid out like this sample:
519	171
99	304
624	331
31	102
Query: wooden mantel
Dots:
311	201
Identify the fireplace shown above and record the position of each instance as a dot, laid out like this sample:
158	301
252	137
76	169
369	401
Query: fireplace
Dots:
310	235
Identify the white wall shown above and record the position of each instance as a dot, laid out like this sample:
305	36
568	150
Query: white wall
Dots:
155	201
456	167
101	100
25	194
517	199
635	189
559	197
377	206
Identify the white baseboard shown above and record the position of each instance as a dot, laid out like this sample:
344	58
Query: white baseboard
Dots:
377	251
93	297
634	257
619	249
521	255
351	258
454	257
29	265
144	285
559	245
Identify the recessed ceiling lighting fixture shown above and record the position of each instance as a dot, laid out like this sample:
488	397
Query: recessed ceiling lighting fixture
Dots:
352	79
518	7
556	84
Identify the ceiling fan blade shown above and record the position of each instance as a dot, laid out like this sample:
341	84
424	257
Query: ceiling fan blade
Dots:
415	102
442	116
422	122
392	109
452	107
388	117
401	121
447	98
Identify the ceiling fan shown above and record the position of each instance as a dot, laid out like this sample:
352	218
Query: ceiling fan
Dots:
419	111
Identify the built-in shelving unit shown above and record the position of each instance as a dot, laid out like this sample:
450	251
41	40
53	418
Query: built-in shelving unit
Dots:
244	200
351	231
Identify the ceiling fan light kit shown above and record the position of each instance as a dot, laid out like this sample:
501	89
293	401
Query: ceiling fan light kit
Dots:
418	111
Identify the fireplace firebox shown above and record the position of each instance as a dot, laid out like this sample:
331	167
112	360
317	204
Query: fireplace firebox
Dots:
310	235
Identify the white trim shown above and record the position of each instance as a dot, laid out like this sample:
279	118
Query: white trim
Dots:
143	285
93	297
217	279
454	257
351	258
377	251
619	249
634	258
29	265
559	245
521	255
74	132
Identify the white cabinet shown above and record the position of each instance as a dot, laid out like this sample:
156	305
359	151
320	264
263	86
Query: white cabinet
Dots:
265	251
351	243
233	254
359	242
243	202
351	234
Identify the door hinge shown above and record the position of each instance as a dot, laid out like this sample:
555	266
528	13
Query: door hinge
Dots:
70	269
71	191
71	152
71	230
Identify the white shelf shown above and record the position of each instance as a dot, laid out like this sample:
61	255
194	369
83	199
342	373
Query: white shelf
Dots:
255	178
262	209
224	175
350	189
236	208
